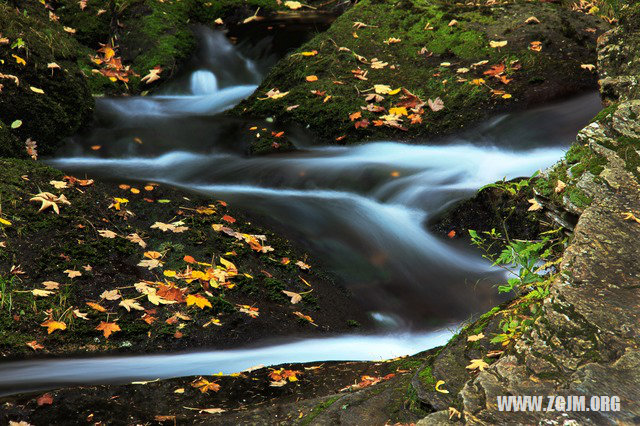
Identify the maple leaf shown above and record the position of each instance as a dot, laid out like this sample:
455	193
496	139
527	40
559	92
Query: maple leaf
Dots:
154	74
436	105
164	227
399	110
377	64
49	200
228	218
477	364
72	274
253	312
362	124
129	304
354	116
274	94
560	186
495	70
302	265
105	233
295	297
34	345
41	293
136	239
51	285
108	328
59	184
198	300
534	205
110	295
205	385
381	89
54	325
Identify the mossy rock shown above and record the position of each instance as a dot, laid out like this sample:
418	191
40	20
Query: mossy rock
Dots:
51	102
46	244
437	40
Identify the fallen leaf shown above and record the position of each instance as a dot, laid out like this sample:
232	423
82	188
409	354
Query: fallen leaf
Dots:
497	44
534	205
49	200
589	67
72	274
475	337
477	364
454	412
51	285
129	304
295	297
560	186
105	233
436	105
311	78
45	399
34	345
41	293
96	306
438	387
532	20
108	328
293	5
198	300
205	385
54	325
110	295
153	75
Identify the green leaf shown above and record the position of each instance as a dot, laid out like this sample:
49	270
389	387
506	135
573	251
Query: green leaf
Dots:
16	124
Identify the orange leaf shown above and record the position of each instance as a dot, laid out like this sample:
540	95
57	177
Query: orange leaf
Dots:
107	328
355	116
96	306
311	78
189	259
228	218
54	325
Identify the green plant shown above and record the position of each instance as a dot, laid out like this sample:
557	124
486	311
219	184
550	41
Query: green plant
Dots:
512	187
532	266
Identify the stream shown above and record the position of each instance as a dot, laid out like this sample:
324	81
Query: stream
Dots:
361	209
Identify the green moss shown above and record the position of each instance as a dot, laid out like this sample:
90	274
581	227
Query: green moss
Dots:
318	409
66	102
415	64
605	113
426	376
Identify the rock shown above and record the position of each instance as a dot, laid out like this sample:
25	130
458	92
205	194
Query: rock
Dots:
417	50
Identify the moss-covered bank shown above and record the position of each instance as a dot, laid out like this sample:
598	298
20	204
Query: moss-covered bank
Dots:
479	60
43	94
168	270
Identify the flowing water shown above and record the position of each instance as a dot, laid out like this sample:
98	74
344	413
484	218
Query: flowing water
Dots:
361	209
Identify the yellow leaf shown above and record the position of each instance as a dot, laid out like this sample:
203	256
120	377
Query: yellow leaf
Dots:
534	205
19	60
198	300
5	222
396	91
438	387
312	53
475	337
36	90
293	5
381	89
497	44
53	326
398	111
477	364
169	273
41	293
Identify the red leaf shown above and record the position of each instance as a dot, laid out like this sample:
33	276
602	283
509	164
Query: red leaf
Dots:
45	399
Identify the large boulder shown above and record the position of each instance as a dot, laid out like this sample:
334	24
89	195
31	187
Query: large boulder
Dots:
479	60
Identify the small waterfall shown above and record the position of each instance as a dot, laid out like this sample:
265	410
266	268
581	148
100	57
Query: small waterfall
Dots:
203	82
